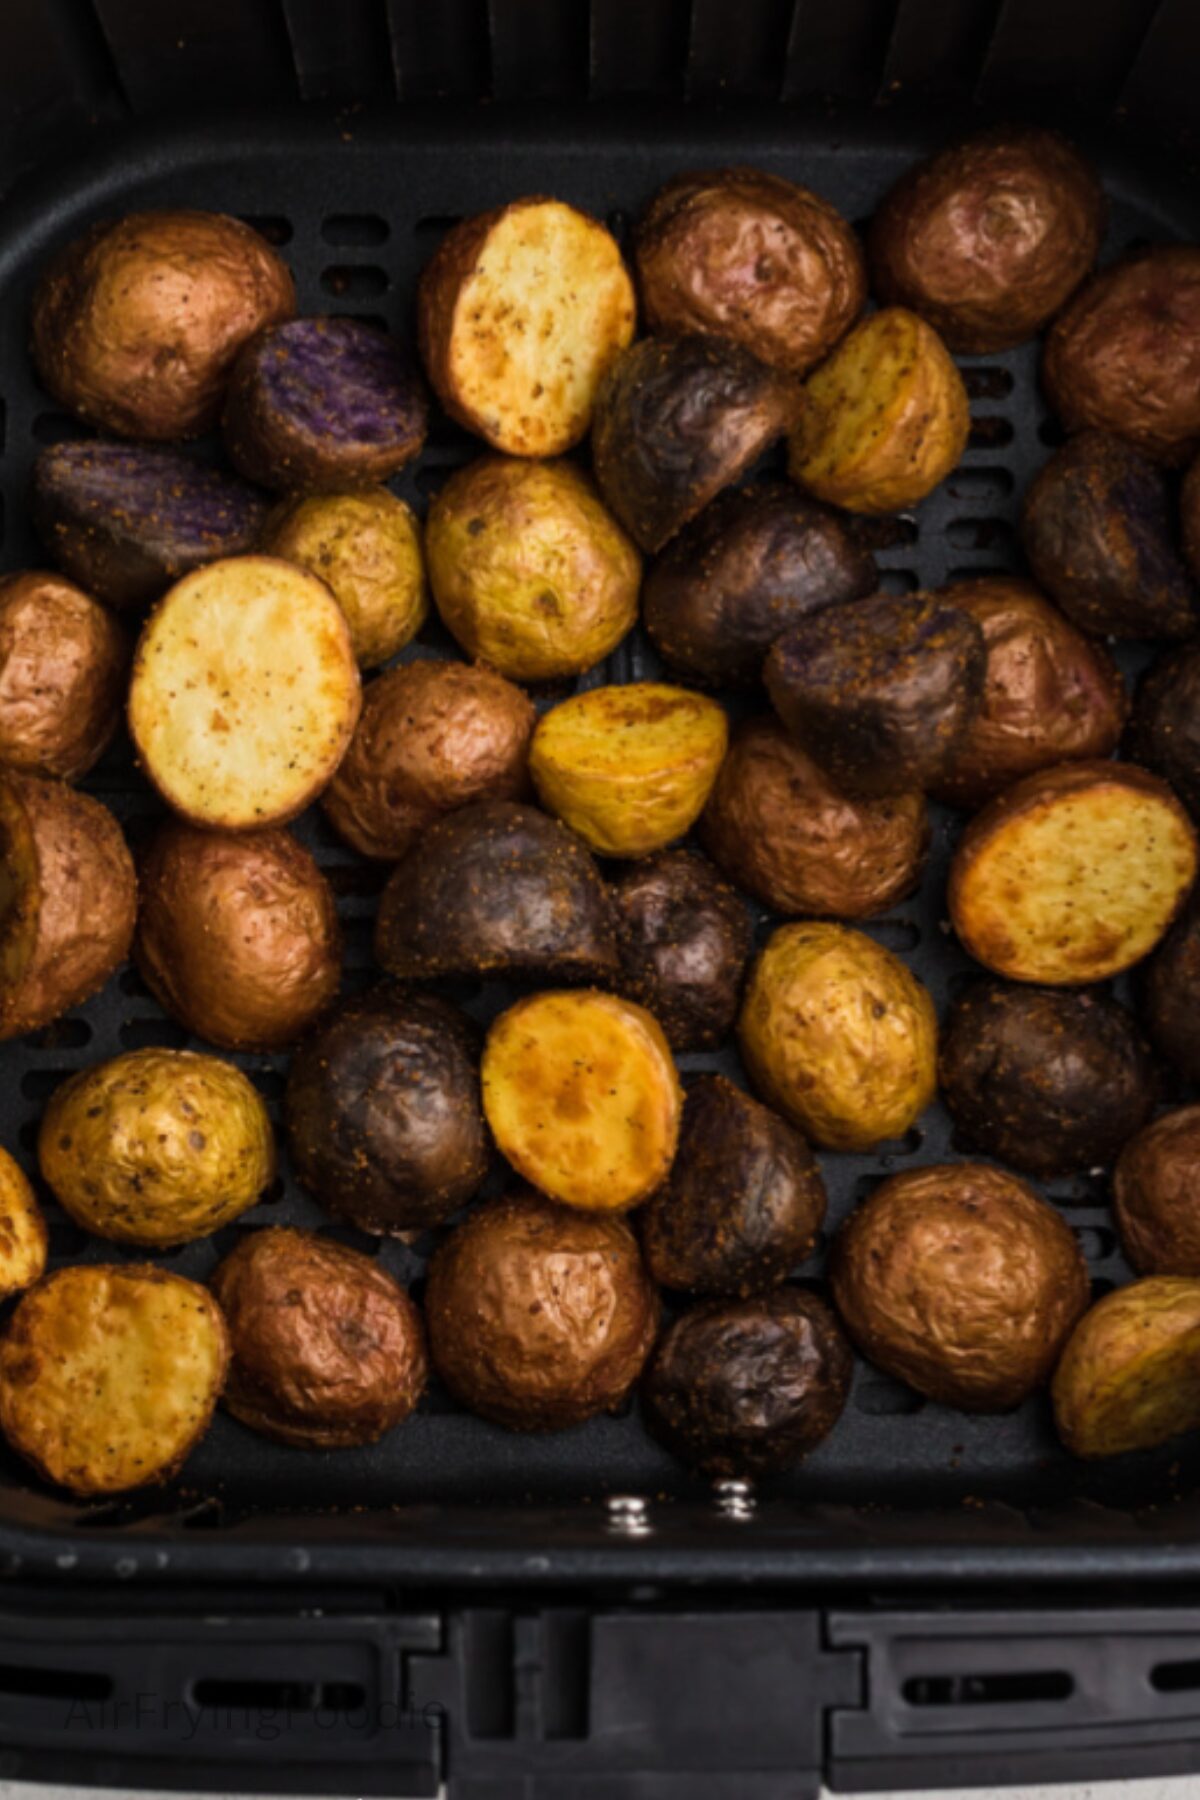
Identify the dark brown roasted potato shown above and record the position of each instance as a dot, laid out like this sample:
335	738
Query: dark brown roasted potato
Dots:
1164	731
63	664
684	939
1171	994
1156	1187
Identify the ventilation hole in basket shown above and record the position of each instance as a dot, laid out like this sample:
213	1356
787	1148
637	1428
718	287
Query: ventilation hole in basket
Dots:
434	226
1002	1688
354	281
39	1084
27	1136
208	1516
156	1034
1052	432
130	982
357	229
273	226
883	1398
66	1238
59	428
898	581
991	536
62	1034
887	533
900	935
54	1684
1101	1285
987	383
989	432
983	486
1097	1242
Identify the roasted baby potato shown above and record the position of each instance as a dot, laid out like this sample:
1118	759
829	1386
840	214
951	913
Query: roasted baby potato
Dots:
1073	874
960	1281
245	693
136	323
755	562
677	420
988	238
316	405
63	663
497	889
539	1317
1164	731
528	570
629	768
328	1349
1124	356
1171	994
520	312
366	548
838	1036
1046	1080
68	900
1050	694
748	1387
684	939
1130	1375
743	1203
740	254
582	1097
127	520
24	1240
156	1147
237	934
1156	1195
779	829
883	420
1095	525
383	1111
109	1375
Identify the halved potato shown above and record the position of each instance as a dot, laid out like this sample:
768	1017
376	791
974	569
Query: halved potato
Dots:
245	692
1129	1377
582	1097
1073	874
629	768
24	1241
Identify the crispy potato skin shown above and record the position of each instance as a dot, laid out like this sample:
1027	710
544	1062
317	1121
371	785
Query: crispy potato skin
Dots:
743	1203
328	1349
1096	527
109	1375
497	889
156	1147
63	663
1171	994
677	420
960	1281
383	1111
433	736
136	323
838	1035
529	571
72	900
748	1387
740	254
539	1317
1050	694
1189	516
1047	1080
237	934
1155	1187
24	1240
779	828
684	940
988	238
1129	1377
1164	731
1073	874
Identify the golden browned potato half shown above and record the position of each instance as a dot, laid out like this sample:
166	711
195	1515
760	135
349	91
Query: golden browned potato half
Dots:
245	693
136	323
1156	1195
519	314
582	1097
1129	1377
237	934
63	662
838	1035
629	768
885	417
1073	874
24	1241
156	1147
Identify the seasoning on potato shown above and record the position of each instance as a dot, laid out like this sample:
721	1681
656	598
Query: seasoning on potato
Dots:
1127	1378
328	1351
1073	874
156	1147
1171	994
960	1281
684	940
63	663
539	1317
582	1097
838	1035
1164	731
1156	1195
24	1240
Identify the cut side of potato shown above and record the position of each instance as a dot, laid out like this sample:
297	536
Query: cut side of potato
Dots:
24	1241
245	692
1129	1377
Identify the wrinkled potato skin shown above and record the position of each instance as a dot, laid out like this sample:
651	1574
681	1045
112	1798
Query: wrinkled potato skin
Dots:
684	940
960	1281
740	254
1129	1378
1156	1185
988	238
24	1239
237	936
1164	731
136	324
779	829
539	1317
1171	994
748	1387
328	1350
63	664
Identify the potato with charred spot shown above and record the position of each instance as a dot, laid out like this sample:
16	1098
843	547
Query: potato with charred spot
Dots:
1156	1195
684	940
63	665
24	1240
1129	1378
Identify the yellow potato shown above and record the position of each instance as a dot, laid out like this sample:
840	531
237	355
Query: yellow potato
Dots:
629	768
23	1237
1129	1377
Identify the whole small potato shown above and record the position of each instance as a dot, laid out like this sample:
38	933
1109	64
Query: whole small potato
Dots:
748	1387
1156	1195
137	322
63	664
1164	730
156	1147
1127	1378
1171	994
958	1280
528	570
838	1036
328	1350
24	1240
539	1317
684	939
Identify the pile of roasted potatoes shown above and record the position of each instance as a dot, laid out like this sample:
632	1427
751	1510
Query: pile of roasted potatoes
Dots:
531	829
